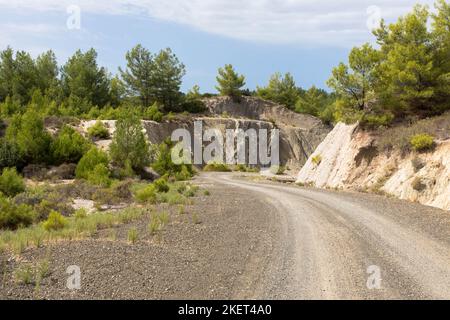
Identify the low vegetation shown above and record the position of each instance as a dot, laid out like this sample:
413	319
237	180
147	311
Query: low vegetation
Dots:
11	183
217	167
278	170
132	235
317	159
73	227
13	216
55	221
98	131
418	185
422	142
399	136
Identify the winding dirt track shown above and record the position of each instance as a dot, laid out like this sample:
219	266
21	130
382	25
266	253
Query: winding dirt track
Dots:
328	241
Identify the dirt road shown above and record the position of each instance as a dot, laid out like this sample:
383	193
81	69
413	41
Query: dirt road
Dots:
252	239
348	246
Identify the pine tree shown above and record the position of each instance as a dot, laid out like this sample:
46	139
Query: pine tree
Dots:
83	79
281	89
230	82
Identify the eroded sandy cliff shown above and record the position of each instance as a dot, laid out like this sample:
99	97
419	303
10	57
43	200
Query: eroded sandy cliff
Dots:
349	159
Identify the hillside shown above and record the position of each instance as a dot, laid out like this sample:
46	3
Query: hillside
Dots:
351	158
299	134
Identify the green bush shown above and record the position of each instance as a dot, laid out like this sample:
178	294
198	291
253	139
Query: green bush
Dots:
99	131
164	165
31	137
69	146
147	194
13	216
184	174
129	144
317	159
422	142
80	213
161	185
99	176
374	121
89	161
9	154
245	168
55	221
153	113
11	183
216	166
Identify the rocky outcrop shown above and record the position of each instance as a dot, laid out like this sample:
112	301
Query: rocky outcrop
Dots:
299	134
349	159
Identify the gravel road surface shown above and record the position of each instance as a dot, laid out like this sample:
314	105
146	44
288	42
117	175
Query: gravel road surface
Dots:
351	246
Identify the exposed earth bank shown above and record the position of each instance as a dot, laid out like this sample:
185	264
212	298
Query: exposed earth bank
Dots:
300	134
349	159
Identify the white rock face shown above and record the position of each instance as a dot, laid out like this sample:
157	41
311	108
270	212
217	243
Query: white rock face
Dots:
349	160
332	164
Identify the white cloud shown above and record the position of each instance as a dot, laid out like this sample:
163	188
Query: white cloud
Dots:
304	22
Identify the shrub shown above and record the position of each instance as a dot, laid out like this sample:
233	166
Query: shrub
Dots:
164	165
80	214
14	216
11	183
184	174
65	171
129	144
418	185
99	176
147	194
422	142
277	169
193	105
89	161
55	221
31	137
161	185
9	154
244	168
153	113
317	159
69	146
99	131
216	166
124	172
399	136
374	121
417	164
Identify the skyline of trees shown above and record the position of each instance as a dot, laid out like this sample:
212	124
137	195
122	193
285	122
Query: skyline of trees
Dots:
406	75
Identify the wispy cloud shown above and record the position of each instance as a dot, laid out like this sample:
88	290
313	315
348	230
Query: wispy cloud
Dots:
305	22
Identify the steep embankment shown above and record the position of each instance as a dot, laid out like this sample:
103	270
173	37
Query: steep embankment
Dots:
299	134
348	158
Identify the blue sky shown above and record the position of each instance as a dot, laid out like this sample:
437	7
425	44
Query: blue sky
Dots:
259	37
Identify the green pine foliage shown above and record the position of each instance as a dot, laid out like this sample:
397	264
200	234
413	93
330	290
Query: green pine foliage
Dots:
406	77
69	146
89	162
129	144
229	82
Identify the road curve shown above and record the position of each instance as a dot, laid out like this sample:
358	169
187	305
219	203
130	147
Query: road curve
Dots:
340	246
